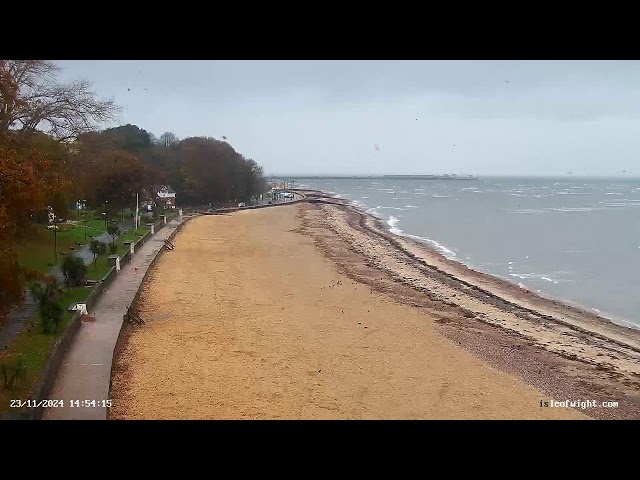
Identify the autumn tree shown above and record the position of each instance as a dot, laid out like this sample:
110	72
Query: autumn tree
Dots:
128	137
118	178
213	171
27	182
32	98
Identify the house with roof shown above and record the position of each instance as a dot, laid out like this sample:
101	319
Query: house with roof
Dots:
165	196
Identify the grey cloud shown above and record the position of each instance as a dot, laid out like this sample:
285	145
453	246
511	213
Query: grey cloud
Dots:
533	117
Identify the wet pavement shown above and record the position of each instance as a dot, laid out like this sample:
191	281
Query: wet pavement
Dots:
18	318
85	373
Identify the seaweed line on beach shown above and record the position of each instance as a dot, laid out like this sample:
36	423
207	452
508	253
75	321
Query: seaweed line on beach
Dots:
558	357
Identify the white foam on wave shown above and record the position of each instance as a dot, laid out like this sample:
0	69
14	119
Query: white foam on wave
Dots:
410	206
393	225
364	198
390	208
529	211
573	209
393	228
438	246
614	193
533	276
373	211
441	196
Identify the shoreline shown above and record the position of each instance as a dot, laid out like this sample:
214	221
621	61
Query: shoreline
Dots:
596	357
422	293
436	248
258	323
458	267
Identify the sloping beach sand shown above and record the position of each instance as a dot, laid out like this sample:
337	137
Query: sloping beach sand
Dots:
304	311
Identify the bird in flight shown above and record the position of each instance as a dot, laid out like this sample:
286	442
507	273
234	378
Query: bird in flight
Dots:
507	81
146	89
376	147
128	89
224	137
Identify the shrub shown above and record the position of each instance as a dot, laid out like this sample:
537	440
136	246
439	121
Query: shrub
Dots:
113	248
97	248
113	231
144	219
74	271
44	292
51	316
12	373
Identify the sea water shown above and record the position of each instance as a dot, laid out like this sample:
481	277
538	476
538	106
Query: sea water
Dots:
575	239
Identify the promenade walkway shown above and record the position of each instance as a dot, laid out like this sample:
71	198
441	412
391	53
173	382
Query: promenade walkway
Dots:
86	370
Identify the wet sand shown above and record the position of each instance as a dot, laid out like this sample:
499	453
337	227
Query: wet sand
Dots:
311	311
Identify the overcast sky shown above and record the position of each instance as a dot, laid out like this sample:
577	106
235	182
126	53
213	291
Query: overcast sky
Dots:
326	117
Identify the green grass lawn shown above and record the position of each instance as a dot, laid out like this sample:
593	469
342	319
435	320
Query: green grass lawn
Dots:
97	270
36	248
36	347
131	235
35	252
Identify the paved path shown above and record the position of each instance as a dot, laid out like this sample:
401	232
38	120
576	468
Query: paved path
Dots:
86	370
18	317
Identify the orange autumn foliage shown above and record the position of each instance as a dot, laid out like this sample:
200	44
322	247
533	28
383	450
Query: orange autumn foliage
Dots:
28	180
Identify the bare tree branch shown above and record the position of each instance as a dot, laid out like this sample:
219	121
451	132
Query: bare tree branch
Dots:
32	99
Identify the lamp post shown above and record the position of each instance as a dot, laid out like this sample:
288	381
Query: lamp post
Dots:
55	237
84	203
106	205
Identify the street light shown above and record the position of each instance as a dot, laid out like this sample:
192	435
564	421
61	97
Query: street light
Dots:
106	205
55	237
84	203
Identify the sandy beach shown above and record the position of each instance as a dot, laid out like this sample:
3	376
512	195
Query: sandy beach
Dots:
314	311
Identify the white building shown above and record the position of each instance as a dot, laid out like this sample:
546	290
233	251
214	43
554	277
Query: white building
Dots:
166	195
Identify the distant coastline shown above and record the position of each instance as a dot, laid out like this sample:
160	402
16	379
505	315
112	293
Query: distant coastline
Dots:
446	176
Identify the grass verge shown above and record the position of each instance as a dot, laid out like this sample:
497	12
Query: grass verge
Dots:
36	348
